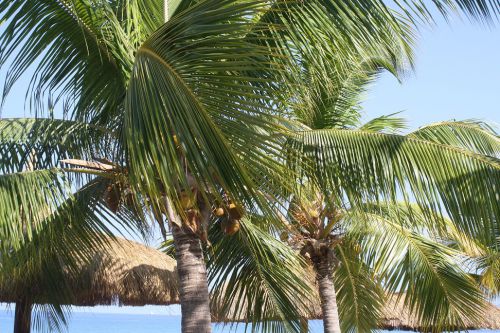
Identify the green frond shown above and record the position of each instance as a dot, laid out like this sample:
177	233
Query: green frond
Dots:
176	6
360	294
475	136
257	279
419	10
360	166
339	106
70	231
203	90
322	42
140	18
168	248
488	268
50	318
69	236
79	52
437	289
433	225
26	200
38	143
385	124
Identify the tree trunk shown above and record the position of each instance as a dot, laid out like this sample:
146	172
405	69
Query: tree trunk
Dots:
22	319
193	285
304	325
328	296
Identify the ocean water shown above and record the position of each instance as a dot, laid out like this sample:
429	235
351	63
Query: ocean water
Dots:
88	322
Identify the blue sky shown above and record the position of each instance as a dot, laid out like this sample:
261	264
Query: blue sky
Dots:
457	77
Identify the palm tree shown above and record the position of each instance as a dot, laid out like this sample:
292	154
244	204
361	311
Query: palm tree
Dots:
49	224
366	252
196	106
353	242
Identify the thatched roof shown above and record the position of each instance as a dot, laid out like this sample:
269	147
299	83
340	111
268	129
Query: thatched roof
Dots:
130	273
396	316
123	272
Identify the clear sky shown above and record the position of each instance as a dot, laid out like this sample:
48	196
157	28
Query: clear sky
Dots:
457	77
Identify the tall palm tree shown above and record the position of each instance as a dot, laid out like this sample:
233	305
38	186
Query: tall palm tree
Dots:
197	105
367	252
368	249
322	217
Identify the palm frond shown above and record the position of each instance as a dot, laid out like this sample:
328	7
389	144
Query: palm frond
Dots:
475	136
74	228
438	291
385	124
339	106
361	166
322	41
41	265
37	143
176	6
480	10
140	18
195	106
74	51
257	279
50	318
26	200
488	267
360	294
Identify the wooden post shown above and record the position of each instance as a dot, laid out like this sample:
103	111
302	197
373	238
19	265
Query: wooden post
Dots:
22	319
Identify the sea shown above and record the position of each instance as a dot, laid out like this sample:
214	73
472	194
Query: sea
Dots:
92	322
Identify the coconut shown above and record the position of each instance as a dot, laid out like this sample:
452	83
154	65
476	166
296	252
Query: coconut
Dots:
112	198
234	212
219	211
232	227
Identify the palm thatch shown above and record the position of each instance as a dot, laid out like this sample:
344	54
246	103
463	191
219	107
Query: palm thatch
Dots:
397	316
130	273
124	272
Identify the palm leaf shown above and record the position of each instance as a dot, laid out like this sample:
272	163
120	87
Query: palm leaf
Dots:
438	291
55	252
360	293
30	143
26	200
257	279
471	135
140	18
488	268
480	10
362	166
321	41
74	53
202	90
384	124
50	318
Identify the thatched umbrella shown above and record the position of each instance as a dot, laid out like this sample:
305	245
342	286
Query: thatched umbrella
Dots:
395	316
125	272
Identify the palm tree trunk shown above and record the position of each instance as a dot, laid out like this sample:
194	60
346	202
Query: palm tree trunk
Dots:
304	325
328	296
193	285
22	319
